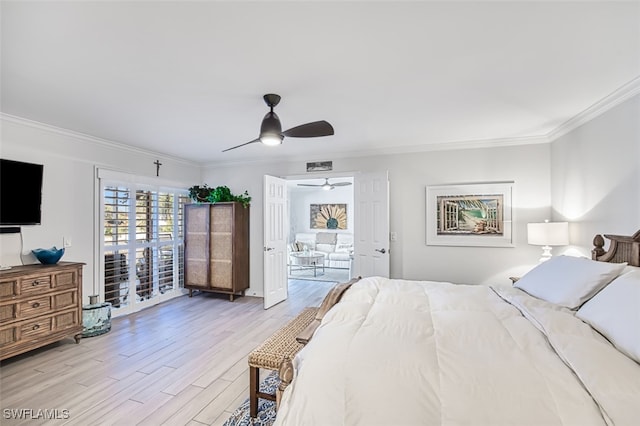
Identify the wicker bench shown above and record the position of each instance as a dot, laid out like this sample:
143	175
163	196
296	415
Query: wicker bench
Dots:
273	351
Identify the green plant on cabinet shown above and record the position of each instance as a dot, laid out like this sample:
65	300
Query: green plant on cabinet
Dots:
219	194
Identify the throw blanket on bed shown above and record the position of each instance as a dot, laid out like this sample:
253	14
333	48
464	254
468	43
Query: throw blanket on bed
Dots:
397	352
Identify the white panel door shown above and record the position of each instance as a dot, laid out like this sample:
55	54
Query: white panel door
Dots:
371	237
275	241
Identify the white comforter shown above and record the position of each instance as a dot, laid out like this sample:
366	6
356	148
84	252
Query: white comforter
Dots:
397	352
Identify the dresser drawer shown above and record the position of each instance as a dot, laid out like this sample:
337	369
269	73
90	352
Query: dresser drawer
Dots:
33	285
8	312
56	322
8	335
36	327
30	307
65	279
34	307
41	326
8	289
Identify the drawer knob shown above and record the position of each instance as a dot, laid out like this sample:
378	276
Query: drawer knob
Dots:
35	283
36	305
35	327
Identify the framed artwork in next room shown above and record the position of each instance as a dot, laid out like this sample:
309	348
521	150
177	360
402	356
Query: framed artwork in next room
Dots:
328	216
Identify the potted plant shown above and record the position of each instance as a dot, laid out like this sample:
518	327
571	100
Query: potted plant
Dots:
206	194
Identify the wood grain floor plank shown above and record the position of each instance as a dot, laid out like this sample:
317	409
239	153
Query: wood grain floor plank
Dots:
213	410
176	403
157	401
189	410
238	369
83	404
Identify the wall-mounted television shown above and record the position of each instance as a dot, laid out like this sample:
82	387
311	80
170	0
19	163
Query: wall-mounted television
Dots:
20	193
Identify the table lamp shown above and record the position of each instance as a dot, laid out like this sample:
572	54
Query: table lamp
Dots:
547	234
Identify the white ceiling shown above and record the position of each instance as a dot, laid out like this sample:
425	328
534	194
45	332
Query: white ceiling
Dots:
186	79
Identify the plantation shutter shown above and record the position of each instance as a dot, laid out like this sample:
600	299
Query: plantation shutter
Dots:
143	243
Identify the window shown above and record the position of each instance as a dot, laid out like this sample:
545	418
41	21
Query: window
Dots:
142	247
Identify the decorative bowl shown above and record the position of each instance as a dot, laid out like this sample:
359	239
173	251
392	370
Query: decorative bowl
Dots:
48	256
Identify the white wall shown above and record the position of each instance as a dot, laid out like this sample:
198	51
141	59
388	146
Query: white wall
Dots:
409	174
595	175
300	200
69	195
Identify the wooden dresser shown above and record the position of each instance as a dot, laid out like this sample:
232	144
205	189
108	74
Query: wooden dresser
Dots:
39	304
217	248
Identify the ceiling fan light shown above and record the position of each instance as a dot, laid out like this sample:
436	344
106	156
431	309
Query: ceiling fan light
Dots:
327	187
271	139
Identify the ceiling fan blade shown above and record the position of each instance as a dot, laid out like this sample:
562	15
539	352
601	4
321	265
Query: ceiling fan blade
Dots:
310	130
341	184
238	146
308	184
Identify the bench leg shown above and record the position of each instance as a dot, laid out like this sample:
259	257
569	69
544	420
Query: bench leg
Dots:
254	384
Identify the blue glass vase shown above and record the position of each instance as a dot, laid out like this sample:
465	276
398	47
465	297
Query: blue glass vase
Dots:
48	256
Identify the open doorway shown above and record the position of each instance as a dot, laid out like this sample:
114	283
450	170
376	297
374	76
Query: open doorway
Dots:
321	228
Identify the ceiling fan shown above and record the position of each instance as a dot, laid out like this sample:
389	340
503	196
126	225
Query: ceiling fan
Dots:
326	185
271	130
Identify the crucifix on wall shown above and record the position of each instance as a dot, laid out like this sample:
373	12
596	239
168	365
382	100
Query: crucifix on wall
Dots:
158	164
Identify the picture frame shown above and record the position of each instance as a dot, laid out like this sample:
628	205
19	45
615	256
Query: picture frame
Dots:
470	214
328	216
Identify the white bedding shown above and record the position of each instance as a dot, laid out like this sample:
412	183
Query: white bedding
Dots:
397	352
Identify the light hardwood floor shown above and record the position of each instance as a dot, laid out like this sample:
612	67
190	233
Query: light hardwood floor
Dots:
183	362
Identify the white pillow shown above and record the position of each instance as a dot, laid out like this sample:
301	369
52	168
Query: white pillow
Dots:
568	281
630	268
325	248
293	247
344	248
615	313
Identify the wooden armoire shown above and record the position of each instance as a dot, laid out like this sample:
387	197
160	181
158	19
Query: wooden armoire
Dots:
216	248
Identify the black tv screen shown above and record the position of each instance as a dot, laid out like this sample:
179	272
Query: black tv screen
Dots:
20	193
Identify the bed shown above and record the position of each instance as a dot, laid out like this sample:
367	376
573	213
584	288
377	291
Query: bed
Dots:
560	347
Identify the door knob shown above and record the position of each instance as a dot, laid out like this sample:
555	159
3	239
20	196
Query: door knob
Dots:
269	248
383	251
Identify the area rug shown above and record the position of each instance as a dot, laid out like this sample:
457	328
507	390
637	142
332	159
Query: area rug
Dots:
266	409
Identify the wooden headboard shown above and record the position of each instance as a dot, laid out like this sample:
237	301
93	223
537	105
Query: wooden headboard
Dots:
622	249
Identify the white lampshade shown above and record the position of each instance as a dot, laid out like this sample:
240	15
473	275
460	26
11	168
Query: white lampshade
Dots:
548	233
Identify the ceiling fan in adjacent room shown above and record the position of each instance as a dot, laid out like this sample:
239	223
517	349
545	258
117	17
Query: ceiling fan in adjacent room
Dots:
271	130
326	185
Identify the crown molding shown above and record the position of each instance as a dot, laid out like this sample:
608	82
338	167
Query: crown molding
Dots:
91	139
610	101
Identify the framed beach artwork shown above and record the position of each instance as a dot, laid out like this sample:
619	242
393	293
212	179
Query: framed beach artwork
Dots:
476	214
328	216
